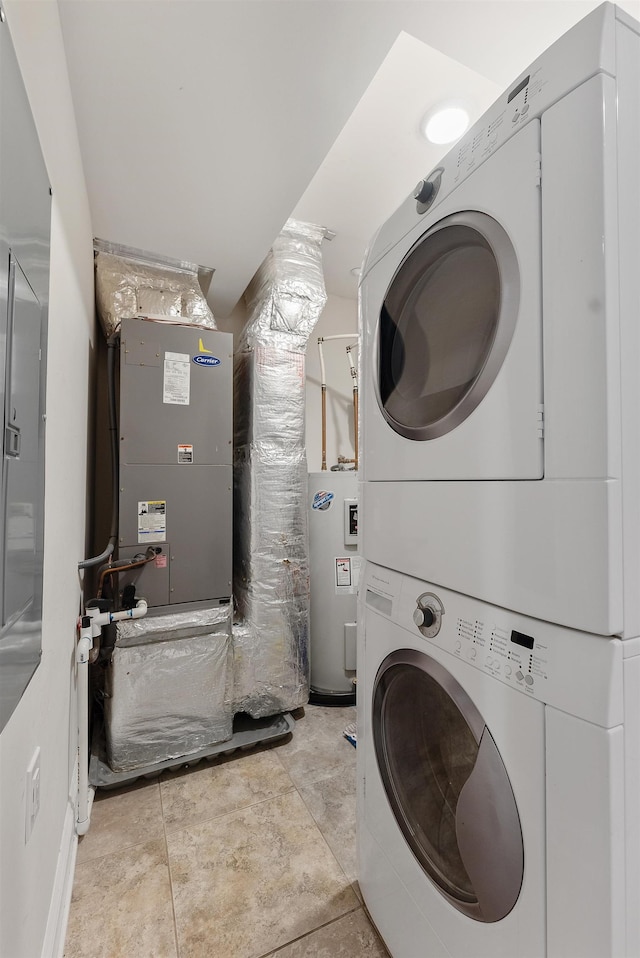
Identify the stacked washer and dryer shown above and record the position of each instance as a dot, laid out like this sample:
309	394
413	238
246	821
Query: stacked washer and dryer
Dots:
499	619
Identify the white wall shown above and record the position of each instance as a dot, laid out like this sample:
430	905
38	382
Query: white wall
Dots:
339	316
32	891
234	322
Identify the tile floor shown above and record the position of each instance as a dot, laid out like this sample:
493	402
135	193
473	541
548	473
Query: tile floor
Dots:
248	856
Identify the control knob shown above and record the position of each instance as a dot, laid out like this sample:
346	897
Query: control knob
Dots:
423	618
428	614
427	190
423	191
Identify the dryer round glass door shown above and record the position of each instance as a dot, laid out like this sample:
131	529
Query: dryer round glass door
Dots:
446	324
447	785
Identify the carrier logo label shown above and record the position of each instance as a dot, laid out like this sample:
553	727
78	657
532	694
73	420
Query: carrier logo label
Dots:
206	360
322	500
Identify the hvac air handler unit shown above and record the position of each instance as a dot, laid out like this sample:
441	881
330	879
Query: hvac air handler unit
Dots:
165	680
175	482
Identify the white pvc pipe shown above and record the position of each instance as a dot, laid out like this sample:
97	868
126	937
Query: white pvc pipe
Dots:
85	792
326	339
323	375
352	366
138	613
90	626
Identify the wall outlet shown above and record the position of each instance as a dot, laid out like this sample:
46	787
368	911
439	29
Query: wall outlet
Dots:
32	794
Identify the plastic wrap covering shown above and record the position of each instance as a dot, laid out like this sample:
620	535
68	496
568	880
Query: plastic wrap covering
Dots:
287	294
129	285
271	550
271	661
169	687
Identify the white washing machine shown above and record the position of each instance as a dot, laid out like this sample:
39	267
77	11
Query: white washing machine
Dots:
498	779
500	349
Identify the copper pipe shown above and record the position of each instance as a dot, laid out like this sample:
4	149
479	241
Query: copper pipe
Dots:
114	569
355	425
354	376
324	427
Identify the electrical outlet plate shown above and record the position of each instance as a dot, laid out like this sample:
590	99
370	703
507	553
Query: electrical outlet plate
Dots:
32	794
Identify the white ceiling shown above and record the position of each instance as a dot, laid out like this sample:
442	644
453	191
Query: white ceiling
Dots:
203	123
380	154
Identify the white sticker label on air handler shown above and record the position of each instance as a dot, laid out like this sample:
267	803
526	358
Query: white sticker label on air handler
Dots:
176	381
347	575
152	521
185	452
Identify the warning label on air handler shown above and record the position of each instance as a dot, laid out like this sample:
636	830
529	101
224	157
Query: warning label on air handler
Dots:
152	521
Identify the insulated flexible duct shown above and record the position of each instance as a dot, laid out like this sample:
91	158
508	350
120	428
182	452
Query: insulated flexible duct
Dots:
271	549
132	283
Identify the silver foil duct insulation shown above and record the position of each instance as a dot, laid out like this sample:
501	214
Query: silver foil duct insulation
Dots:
271	542
130	283
287	294
169	687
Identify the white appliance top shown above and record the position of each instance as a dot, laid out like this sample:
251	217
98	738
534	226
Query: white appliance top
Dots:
585	50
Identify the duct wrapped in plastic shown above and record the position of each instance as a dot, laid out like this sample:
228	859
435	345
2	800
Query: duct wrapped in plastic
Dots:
287	294
169	687
130	283
271	658
271	550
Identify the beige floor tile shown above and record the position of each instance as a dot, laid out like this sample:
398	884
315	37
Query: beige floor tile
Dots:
254	880
212	790
121	906
332	802
318	748
120	818
352	936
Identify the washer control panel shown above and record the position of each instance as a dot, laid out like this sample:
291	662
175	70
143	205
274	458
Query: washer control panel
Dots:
428	614
577	672
517	658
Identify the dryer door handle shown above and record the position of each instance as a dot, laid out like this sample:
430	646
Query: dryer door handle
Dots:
489	833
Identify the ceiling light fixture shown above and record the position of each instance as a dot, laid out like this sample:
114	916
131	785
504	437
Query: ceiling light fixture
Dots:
445	123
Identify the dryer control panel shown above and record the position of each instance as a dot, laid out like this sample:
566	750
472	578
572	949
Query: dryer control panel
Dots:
573	59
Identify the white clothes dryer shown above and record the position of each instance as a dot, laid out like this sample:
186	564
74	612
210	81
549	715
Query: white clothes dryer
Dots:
497	779
500	350
454	332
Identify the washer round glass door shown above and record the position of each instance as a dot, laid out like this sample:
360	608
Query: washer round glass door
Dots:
447	785
446	324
